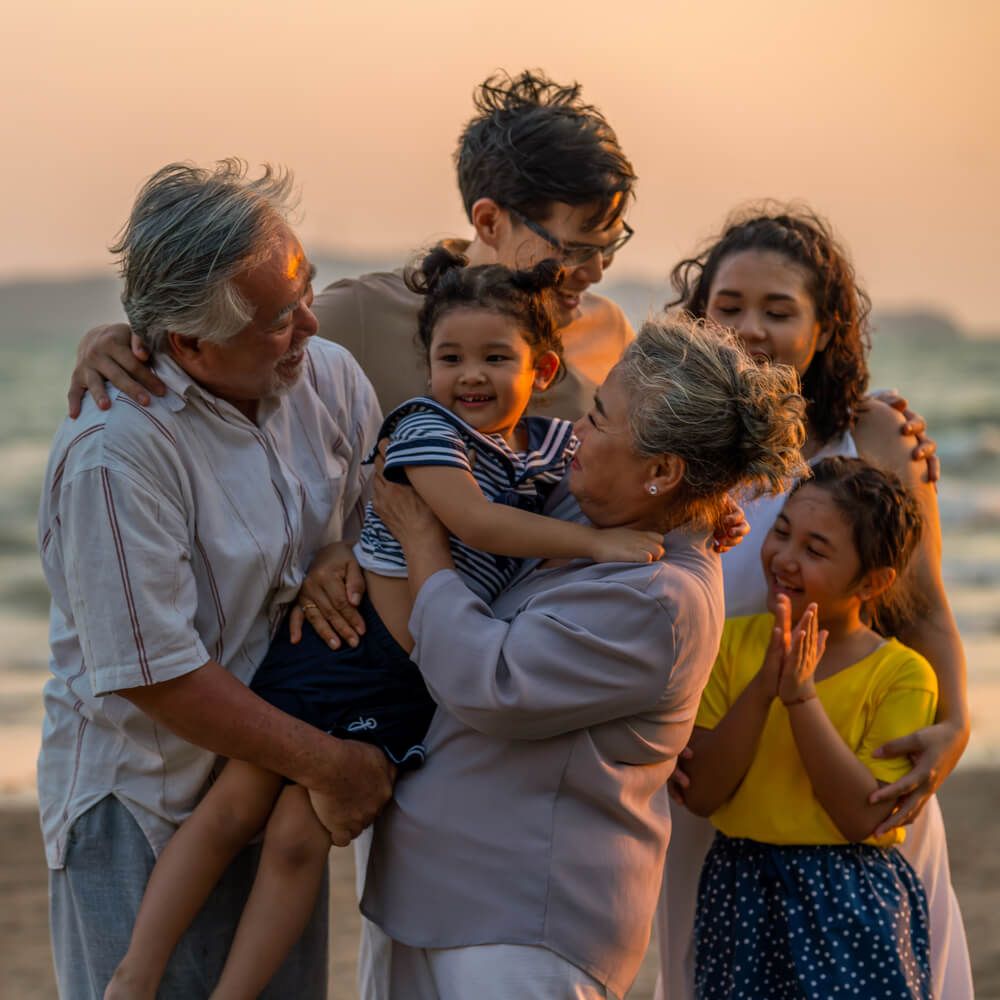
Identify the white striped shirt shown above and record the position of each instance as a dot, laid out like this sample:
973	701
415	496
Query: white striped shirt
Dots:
423	432
169	536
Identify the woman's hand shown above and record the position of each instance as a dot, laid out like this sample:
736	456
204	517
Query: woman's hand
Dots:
424	538
111	354
731	529
803	650
329	598
934	751
409	519
926	448
626	545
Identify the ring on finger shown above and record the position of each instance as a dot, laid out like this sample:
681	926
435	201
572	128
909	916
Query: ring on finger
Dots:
308	605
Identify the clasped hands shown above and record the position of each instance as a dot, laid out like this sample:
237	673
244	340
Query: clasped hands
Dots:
788	672
789	667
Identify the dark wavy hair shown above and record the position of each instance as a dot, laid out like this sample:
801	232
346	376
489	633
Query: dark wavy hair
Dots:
837	377
527	296
886	525
533	142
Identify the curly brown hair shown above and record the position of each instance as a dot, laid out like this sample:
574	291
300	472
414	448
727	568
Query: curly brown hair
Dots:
837	377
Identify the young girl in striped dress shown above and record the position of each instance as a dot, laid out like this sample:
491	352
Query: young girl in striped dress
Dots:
491	339
798	897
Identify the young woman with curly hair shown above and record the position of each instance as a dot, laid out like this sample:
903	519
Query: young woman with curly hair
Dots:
780	279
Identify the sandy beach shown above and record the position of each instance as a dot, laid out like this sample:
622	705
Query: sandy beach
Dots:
970	800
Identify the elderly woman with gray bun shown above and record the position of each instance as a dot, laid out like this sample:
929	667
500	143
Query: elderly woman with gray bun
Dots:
524	859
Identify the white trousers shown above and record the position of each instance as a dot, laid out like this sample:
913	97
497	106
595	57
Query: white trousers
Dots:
924	848
488	972
388	970
374	948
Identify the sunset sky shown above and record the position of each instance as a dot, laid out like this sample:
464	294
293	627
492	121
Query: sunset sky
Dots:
883	115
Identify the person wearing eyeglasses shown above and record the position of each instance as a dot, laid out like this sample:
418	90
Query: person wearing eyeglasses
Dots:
541	175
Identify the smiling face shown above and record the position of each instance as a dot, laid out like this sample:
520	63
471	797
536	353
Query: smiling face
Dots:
764	297
266	356
809	555
608	477
482	369
521	247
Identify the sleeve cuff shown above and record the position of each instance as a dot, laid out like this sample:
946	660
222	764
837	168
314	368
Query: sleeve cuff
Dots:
109	680
443	579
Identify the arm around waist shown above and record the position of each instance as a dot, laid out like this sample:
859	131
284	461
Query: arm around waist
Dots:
212	709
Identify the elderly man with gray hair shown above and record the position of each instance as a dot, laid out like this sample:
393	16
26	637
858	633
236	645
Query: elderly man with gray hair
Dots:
173	539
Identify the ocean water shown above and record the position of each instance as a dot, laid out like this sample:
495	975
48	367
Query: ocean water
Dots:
953	382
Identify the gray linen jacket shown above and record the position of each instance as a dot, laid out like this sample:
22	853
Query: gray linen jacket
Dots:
541	817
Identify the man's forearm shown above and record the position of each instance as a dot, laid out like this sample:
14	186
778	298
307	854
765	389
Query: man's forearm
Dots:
212	709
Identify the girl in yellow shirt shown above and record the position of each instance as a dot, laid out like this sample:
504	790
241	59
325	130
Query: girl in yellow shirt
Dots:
802	895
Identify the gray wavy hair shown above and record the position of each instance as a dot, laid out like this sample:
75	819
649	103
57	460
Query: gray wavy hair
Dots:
192	231
695	392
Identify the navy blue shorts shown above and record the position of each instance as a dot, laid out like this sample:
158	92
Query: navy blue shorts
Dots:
372	693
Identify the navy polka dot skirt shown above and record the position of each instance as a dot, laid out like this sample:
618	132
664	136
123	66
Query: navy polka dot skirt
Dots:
810	922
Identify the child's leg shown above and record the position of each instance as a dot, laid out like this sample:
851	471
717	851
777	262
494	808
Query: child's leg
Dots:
232	812
289	877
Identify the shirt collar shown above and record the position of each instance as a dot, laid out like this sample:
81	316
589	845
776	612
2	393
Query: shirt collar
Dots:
176	380
183	388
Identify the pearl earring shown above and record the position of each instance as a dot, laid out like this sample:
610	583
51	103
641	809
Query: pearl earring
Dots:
652	490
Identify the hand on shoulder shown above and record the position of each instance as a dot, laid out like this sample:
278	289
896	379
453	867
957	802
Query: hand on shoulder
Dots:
884	421
880	438
600	312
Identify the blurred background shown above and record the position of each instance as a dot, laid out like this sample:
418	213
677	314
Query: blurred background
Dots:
884	116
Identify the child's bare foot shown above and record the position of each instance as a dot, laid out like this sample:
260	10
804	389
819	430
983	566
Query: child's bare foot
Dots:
130	984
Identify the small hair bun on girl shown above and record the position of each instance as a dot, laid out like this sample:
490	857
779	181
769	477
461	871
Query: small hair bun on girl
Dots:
424	277
545	274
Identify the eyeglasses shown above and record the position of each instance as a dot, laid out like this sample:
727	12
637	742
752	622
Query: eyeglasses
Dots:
575	256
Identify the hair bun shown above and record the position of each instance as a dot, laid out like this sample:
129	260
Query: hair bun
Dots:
694	392
546	274
767	402
425	276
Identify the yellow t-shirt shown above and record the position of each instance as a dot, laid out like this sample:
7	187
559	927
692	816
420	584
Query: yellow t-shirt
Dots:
888	694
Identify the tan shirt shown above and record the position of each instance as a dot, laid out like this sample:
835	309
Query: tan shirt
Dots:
375	318
171	535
